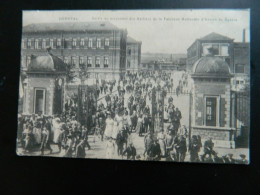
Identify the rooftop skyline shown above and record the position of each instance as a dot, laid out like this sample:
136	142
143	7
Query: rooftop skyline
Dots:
160	31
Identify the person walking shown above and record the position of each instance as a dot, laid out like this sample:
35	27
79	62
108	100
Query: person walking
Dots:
120	140
180	147
154	152
130	152
161	141
194	148
208	149
45	142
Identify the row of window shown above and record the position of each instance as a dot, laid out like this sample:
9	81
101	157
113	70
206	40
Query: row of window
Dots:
82	60
44	43
216	49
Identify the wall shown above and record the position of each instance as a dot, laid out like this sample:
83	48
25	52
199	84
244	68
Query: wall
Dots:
39	81
223	137
242	56
192	55
218	88
135	57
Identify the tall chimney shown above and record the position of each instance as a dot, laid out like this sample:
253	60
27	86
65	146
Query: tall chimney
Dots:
244	36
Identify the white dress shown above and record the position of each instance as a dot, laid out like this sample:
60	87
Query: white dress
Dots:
109	127
56	130
37	135
161	138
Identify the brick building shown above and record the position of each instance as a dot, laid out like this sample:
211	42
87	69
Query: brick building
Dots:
165	65
212	101
241	66
100	46
219	45
235	54
133	55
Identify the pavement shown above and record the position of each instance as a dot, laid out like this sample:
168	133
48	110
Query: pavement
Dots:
98	150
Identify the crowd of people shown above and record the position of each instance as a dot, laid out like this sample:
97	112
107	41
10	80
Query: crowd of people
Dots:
117	112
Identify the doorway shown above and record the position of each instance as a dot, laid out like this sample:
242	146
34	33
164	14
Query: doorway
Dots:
39	101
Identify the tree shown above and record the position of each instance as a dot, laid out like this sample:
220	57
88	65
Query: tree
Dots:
70	72
83	73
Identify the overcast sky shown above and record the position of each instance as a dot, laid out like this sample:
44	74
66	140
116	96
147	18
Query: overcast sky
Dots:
161	31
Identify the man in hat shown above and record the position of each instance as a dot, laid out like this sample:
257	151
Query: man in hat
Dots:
180	147
120	140
229	158
176	119
243	159
134	119
130	152
194	149
83	141
154	152
169	141
171	130
208	148
148	141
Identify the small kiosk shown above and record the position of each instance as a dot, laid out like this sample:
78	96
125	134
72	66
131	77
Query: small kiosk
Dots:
212	105
44	90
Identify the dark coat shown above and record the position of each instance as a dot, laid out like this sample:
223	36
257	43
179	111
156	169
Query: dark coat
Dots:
130	152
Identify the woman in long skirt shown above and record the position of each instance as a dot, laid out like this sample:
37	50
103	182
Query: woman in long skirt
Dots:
161	140
110	143
109	126
139	126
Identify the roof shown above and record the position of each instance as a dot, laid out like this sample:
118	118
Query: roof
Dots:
48	63
131	40
211	66
69	26
215	37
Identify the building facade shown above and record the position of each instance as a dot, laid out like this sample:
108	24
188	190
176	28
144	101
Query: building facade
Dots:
133	54
241	66
218	45
99	46
165	65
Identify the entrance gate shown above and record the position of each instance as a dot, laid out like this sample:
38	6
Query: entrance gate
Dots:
86	100
182	101
241	118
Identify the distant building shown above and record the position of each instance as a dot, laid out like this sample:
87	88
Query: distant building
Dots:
241	66
100	46
133	54
164	64
235	54
219	45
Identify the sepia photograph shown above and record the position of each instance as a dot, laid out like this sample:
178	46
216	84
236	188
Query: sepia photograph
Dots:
149	85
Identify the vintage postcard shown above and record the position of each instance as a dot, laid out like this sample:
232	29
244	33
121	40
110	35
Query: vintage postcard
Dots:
153	85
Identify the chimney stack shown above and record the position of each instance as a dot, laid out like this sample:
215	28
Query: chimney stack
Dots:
244	36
